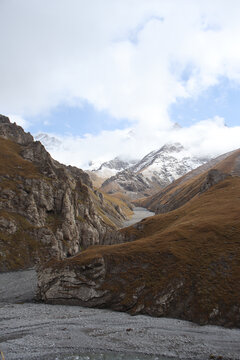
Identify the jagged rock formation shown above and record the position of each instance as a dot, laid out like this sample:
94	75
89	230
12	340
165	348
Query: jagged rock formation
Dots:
14	132
47	209
182	264
155	171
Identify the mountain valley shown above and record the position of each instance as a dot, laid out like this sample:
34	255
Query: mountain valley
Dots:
182	262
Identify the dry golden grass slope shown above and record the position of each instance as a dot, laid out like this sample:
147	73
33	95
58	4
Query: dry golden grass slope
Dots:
184	263
12	164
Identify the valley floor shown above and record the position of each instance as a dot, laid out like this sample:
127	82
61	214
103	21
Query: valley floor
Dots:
37	331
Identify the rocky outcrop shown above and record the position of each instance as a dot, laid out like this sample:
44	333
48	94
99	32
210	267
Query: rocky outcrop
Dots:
14	132
46	209
83	284
213	177
138	288
96	283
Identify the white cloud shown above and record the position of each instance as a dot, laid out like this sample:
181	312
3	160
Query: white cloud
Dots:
206	138
210	137
126	57
123	56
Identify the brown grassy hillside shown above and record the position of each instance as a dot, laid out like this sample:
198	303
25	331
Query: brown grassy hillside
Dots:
12	165
185	264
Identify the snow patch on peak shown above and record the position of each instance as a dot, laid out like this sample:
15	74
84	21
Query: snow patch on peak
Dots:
168	163
156	170
110	168
116	164
49	142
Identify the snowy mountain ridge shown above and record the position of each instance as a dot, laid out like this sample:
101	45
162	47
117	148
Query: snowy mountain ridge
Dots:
136	177
169	162
156	170
112	167
50	142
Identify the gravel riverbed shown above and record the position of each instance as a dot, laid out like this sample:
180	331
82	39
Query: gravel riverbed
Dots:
32	331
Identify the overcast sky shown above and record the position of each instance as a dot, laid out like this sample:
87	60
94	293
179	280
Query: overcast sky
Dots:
112	77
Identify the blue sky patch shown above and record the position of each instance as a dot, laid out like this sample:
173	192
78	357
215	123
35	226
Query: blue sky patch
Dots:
220	100
67	120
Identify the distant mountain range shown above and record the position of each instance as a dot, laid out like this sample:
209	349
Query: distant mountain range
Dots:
156	170
137	178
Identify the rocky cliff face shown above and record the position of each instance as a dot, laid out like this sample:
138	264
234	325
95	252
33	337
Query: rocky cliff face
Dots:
182	264
46	209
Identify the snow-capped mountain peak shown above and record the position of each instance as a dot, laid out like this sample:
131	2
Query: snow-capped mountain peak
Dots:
158	168
112	167
168	163
50	142
116	164
165	151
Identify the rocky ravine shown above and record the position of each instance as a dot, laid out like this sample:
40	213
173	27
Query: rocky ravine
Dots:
182	264
46	209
